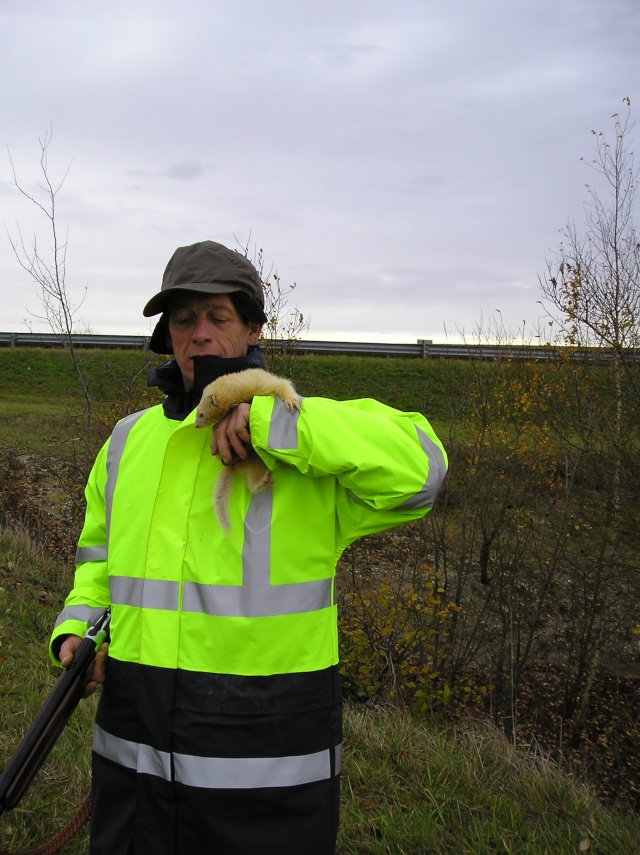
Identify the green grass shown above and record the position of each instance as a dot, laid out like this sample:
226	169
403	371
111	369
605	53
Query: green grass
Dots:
32	587
404	383
40	395
35	423
33	371
421	788
407	384
408	788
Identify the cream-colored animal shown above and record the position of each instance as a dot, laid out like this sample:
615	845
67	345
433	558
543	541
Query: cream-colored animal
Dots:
223	395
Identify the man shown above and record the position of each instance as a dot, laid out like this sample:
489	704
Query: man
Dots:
219	724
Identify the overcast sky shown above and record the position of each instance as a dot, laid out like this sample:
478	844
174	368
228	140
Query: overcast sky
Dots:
409	164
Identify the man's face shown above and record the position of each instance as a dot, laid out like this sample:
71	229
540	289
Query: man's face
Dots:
207	325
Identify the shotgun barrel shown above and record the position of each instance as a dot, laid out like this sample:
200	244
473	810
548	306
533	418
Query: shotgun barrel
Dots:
52	717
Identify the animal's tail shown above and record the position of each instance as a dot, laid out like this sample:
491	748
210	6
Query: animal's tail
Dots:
221	493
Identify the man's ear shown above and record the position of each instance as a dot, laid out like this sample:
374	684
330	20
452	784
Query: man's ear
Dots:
254	334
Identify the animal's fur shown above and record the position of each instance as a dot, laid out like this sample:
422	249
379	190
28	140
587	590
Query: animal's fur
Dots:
223	395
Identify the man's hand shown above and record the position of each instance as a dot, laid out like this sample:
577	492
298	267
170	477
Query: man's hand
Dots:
230	437
67	652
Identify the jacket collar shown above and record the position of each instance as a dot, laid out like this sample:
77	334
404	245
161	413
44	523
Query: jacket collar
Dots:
179	402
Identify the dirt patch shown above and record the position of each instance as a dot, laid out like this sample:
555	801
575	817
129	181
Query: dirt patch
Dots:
39	493
606	750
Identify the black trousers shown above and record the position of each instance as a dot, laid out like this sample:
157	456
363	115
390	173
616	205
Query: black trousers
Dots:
144	810
138	815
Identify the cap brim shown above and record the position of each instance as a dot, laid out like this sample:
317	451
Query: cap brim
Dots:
158	303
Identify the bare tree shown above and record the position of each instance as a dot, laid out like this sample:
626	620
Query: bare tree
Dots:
48	269
49	275
593	286
284	325
593	280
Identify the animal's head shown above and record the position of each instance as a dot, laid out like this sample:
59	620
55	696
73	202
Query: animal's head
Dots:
206	412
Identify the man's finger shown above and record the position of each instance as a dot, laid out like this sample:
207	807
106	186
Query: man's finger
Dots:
68	649
230	437
237	443
222	441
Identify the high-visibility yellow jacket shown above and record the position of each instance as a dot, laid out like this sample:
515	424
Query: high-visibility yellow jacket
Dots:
218	728
258	599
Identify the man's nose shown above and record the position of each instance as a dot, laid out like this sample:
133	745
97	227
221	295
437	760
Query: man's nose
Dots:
201	330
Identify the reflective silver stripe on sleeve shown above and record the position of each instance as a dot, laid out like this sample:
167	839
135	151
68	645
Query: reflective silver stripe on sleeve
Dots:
91	553
217	773
144	593
114	454
86	614
257	601
283	427
132	755
426	497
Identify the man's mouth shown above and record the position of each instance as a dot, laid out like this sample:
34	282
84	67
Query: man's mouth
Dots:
202	353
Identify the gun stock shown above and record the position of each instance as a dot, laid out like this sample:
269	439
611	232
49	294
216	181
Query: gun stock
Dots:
52	717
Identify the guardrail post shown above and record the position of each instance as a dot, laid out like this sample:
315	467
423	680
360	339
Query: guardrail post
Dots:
425	342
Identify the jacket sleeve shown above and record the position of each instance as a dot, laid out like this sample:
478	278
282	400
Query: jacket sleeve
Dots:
90	594
390	465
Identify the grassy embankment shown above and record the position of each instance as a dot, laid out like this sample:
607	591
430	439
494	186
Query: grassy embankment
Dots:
39	393
414	788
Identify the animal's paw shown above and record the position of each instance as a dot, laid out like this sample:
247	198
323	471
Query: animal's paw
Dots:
259	484
291	403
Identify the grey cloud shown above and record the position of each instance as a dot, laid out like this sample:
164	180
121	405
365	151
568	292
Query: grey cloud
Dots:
347	55
408	164
185	170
